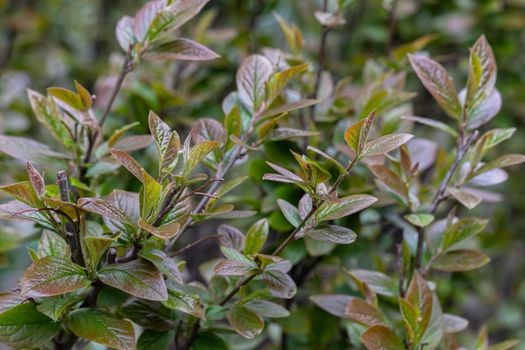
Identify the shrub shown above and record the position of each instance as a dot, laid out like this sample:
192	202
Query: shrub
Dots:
110	265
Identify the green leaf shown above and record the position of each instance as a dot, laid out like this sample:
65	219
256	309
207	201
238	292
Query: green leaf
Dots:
504	345
460	260
501	162
266	308
68	97
129	163
104	208
251	78
378	282
138	277
418	302
51	244
23	191
287	107
332	233
420	219
437	81
344	207
52	276
290	212
150	196
233	125
102	328
54	307
392	181
180	49
334	304
279	80
256	237
245	321
96	247
9	300
23	326
47	114
385	144
153	340
235	268
182	300
196	155
468	199
462	230
454	324
163	232
380	337
166	140
209	341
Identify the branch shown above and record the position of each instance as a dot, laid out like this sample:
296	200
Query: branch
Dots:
191	245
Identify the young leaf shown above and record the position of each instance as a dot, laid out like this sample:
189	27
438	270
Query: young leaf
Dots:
357	134
482	73
279	80
460	260
149	196
166	140
231	237
180	49
52	276
432	123
164	263
245	321
129	163
102	328
66	96
37	181
380	337
385	144
332	233
54	307
96	247
346	206
196	155
420	219
462	230
103	208
144	18
235	268
290	212
23	191
252	76
124	32
468	199
51	244
23	326
138	277
256	237
378	282
163	232
437	81
180	299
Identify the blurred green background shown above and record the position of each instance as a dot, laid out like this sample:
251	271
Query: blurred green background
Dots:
52	42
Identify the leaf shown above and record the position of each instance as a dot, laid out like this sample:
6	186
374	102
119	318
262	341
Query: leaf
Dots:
256	237
484	111
209	341
291	33
437	81
138	277
288	107
378	282
102	328
288	133
279	283
48	115
153	340
235	268
124	32
233	254
163	232
245	321
346	206
164	263
179	299
460	260
27	150
174	16
36	180
393	182
454	324
22	326
96	247
251	78
181	49
54	307
149	196
416	307
9	300
52	276
267	308
67	96
504	345
51	244
363	312
432	123
196	155
129	163
461	230
279	80
380	337
144	18
420	219
357	134
290	212
385	144
501	162
332	233
231	237
468	199
23	191
166	140
103	208
334	304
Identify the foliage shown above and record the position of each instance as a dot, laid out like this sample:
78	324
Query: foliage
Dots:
299	171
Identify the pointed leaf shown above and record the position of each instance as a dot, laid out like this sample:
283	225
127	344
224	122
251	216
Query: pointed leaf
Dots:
245	321
460	260
181	49
252	76
332	233
256	237
380	337
385	144
346	206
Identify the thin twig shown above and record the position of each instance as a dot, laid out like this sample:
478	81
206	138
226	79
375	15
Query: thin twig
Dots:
391	26
193	244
